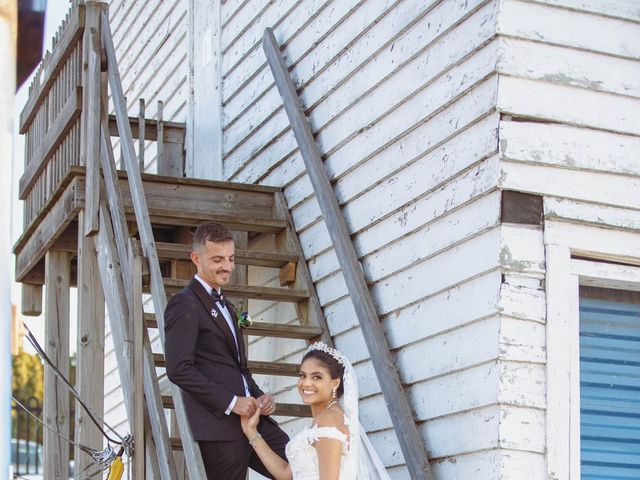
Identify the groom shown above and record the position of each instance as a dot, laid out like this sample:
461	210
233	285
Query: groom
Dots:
205	357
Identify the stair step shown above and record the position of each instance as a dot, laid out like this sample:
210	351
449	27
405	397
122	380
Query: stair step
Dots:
275	294
264	368
263	329
176	251
282	409
176	443
279	330
174	217
274	368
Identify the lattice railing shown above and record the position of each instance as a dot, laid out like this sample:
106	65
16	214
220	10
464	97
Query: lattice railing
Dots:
50	119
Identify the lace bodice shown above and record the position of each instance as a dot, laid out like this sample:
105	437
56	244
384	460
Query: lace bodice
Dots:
303	457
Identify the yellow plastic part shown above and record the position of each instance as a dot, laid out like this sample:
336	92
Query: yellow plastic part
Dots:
116	470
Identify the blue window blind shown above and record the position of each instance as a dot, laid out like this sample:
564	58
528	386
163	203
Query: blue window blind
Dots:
609	388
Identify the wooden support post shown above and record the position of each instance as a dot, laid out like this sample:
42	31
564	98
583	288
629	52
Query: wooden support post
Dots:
90	348
91	113
136	326
162	167
31	299
399	409
56	394
141	133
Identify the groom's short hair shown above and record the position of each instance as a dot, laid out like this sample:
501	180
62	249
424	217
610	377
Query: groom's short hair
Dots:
211	232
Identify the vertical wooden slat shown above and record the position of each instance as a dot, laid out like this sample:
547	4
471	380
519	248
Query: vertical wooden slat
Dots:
31	299
136	324
91	113
56	395
90	347
160	162
141	133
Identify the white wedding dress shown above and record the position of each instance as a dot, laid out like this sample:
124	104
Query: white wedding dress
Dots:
359	459
303	458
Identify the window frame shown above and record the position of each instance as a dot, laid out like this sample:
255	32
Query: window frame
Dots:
576	255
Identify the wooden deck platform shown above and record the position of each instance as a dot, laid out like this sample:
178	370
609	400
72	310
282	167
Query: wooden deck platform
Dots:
173	202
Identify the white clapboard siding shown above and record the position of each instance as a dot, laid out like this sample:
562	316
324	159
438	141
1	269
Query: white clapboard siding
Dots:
559	26
608	189
587	212
569	66
348	79
383	116
572	68
623	9
570	147
571	105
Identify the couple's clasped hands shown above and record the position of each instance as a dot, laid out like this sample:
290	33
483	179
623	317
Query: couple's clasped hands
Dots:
248	406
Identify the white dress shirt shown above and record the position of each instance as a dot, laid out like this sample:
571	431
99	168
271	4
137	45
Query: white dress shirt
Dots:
227	316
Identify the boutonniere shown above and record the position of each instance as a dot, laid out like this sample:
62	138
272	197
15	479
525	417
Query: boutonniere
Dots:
244	320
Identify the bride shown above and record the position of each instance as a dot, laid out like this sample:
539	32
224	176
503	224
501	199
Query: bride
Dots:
335	446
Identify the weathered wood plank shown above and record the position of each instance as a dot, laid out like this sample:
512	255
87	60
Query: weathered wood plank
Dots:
568	66
595	242
582	185
412	445
176	251
570	147
623	9
547	24
593	213
606	275
562	293
33	245
173	132
90	346
56	412
136	333
262	293
564	104
37	163
66	42
31	300
91	99
204	104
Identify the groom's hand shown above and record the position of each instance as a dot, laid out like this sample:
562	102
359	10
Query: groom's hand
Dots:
245	406
267	404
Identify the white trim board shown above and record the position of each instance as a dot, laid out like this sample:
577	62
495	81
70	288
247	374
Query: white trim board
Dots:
564	277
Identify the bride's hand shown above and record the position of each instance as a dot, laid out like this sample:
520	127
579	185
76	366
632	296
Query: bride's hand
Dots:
249	424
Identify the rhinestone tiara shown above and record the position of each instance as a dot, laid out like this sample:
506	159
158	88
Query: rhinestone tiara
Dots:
328	350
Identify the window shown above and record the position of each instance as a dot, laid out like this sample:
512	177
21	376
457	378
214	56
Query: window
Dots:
609	384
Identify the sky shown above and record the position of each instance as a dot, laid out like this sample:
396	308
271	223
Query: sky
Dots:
56	10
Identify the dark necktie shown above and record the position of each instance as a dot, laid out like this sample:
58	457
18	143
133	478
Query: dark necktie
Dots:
217	296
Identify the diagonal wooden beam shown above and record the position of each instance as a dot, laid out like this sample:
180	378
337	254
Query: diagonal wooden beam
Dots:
410	441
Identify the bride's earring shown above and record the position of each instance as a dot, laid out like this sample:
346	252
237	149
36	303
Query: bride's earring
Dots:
335	393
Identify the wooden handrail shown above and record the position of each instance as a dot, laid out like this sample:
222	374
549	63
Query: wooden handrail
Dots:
410	441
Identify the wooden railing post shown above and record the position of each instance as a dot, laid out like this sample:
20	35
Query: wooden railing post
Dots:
90	347
90	132
56	396
410	441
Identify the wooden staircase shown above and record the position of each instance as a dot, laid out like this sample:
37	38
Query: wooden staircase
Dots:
287	264
130	234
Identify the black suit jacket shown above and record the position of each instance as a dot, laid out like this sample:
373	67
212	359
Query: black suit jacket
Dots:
202	359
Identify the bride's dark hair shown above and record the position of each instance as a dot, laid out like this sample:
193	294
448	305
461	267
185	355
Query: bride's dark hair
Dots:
336	369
